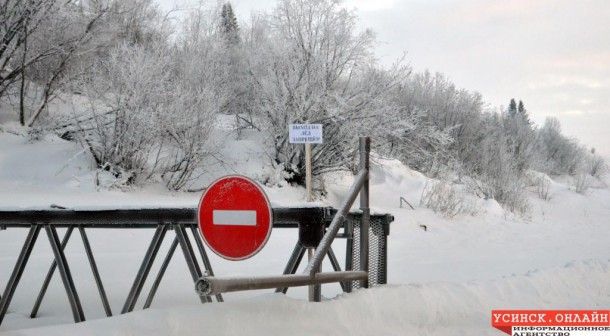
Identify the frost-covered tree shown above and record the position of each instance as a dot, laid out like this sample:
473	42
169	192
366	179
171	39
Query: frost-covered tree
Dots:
412	136
310	64
520	135
496	174
561	154
39	40
419	145
456	112
19	20
49	46
503	153
153	107
596	166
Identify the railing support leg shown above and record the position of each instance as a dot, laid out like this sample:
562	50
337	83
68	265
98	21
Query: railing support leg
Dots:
189	255
149	258
336	267
293	264
155	286
13	281
94	269
204	256
47	280
66	275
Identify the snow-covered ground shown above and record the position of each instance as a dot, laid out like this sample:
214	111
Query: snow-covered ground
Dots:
443	281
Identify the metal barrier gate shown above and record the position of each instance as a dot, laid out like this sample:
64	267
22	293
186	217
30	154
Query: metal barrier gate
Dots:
180	221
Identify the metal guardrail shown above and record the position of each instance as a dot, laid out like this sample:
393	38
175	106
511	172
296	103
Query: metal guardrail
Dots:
162	220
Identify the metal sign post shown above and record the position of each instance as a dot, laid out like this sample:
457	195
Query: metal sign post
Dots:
307	134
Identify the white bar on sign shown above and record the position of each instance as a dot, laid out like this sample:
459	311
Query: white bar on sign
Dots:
234	217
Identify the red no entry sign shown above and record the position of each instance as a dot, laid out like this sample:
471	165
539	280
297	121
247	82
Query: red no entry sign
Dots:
235	217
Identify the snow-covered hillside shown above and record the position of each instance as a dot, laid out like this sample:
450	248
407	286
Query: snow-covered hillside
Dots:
442	281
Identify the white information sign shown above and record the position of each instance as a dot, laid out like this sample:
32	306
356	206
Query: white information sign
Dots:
305	133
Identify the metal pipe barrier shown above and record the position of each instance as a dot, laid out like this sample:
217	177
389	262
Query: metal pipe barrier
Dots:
216	285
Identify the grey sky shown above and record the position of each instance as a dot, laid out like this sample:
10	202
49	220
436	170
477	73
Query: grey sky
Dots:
552	54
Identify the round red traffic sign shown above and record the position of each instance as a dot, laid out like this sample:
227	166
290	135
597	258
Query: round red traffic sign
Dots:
235	217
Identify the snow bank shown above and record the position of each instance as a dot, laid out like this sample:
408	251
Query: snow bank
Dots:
441	308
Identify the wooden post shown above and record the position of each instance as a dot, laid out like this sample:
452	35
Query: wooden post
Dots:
308	171
307	134
309	199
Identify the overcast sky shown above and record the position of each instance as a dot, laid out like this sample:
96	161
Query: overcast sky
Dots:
552	54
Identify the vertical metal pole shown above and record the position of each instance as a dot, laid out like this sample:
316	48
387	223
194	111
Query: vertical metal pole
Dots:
155	286
47	280
349	251
293	264
66	275
149	258
310	289
317	293
96	273
204	256
365	149
13	281
189	255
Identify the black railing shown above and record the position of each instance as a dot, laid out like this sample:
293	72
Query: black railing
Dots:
162	220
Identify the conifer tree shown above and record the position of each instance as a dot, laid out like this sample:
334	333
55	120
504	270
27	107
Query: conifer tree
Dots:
521	108
229	26
522	112
512	108
519	135
240	93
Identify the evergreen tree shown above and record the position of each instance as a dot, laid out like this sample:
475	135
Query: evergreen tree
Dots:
512	108
521	108
519	134
234	65
229	27
522	112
